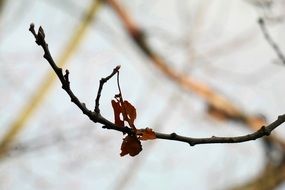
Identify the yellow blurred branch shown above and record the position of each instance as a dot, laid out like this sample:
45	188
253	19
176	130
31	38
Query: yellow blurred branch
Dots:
49	79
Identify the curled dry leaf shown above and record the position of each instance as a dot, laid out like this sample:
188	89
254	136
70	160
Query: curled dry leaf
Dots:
126	110
131	112
146	134
131	145
117	112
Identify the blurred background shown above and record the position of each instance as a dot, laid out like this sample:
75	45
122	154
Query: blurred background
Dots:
217	45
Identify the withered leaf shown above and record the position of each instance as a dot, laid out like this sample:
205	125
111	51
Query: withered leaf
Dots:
146	134
126	110
131	145
131	112
117	111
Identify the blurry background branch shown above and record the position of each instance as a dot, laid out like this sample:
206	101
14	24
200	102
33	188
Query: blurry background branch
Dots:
270	41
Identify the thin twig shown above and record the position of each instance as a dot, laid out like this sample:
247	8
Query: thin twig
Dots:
119	88
102	82
124	113
271	42
263	131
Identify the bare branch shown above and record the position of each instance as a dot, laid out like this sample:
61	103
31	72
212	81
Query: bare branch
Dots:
97	118
102	82
263	131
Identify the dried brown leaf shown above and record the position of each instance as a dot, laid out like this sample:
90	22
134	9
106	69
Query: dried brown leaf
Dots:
131	145
117	112
131	112
146	134
126	110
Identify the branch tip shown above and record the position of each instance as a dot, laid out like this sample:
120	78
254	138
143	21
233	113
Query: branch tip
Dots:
32	30
41	33
32	27
66	75
281	117
117	68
